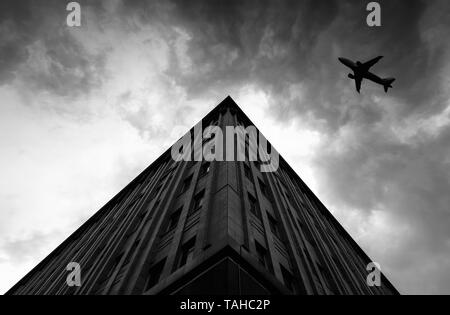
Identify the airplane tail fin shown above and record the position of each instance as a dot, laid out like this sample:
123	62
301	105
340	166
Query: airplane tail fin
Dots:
387	83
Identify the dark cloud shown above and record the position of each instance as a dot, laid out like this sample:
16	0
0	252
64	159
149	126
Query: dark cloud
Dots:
410	181
272	39
289	49
39	49
276	44
67	70
16	33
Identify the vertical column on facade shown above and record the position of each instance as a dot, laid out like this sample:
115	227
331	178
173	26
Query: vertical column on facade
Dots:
137	263
238	168
178	235
265	221
301	265
80	256
114	245
309	225
337	274
210	191
137	276
138	237
319	243
54	277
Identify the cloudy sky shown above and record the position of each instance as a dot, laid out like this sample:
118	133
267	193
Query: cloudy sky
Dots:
84	110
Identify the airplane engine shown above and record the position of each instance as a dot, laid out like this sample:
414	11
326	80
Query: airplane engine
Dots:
351	76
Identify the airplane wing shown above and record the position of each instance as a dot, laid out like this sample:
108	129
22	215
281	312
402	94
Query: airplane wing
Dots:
371	62
358	80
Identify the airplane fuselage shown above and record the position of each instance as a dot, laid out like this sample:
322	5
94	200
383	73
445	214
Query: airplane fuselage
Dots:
361	71
372	77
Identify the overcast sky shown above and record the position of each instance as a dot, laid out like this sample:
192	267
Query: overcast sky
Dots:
84	110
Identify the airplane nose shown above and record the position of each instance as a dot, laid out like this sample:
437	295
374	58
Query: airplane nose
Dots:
341	59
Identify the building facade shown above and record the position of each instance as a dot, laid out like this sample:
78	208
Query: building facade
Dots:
209	227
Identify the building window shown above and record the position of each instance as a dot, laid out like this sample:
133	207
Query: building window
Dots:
300	224
102	228
156	190
173	220
141	217
257	164
133	228
248	172
114	266
131	252
306	232
186	184
263	188
287	278
254	209
197	203
155	274
156	205
186	252
327	278
204	169
101	286
274	226
168	172
261	252
136	198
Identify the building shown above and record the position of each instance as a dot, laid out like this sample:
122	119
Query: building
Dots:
199	227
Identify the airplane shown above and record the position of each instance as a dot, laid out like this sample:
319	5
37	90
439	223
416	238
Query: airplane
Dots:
361	71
